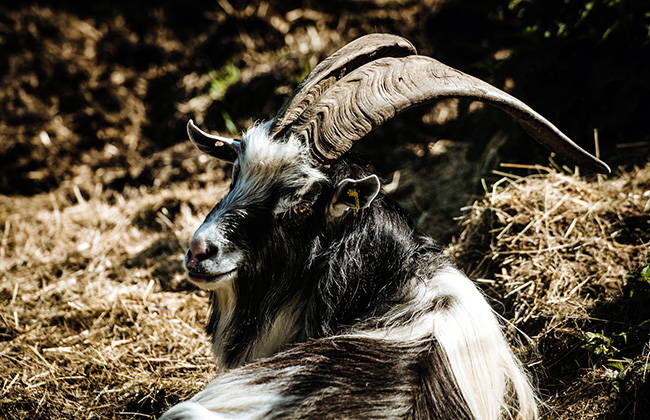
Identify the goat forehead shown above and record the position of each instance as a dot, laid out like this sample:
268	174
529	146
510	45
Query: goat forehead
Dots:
265	161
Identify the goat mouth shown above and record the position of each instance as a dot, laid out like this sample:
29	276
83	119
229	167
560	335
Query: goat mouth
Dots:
211	279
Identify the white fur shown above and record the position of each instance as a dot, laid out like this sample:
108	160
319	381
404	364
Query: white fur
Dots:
449	307
190	410
480	359
226	300
283	329
265	161
235	396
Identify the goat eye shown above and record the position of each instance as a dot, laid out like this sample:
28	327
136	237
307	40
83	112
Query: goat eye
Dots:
302	208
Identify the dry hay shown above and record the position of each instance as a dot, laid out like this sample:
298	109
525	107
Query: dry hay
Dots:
97	320
557	243
553	250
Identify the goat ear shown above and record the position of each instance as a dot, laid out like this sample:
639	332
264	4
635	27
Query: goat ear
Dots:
354	194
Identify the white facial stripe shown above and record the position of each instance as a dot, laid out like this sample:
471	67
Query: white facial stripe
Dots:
265	162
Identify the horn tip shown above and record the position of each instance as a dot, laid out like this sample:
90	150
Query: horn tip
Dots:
591	162
191	127
603	168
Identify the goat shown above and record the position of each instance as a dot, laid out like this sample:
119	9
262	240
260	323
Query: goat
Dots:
326	302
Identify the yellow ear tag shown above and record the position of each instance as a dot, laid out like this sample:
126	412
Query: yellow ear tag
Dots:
355	193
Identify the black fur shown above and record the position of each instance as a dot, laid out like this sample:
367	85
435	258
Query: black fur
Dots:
337	272
364	378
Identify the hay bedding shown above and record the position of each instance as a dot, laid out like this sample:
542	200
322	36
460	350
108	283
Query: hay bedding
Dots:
553	251
93	322
553	244
98	321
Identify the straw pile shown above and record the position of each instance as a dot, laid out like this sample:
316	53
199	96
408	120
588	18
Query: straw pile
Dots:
553	250
556	242
97	320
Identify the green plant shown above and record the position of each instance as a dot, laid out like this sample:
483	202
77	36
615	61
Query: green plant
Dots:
221	80
629	379
230	124
587	19
626	353
638	284
599	346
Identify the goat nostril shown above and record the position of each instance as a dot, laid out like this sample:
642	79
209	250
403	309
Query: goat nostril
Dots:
199	249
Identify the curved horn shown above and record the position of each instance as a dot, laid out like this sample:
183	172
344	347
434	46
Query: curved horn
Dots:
223	148
350	57
377	91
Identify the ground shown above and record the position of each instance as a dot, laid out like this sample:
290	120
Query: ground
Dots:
100	190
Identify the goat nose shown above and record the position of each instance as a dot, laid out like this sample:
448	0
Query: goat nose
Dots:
199	250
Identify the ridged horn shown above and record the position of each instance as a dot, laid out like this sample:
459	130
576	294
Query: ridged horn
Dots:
377	91
223	148
350	57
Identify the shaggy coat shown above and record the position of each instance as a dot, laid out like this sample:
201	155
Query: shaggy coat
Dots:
326	301
337	307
